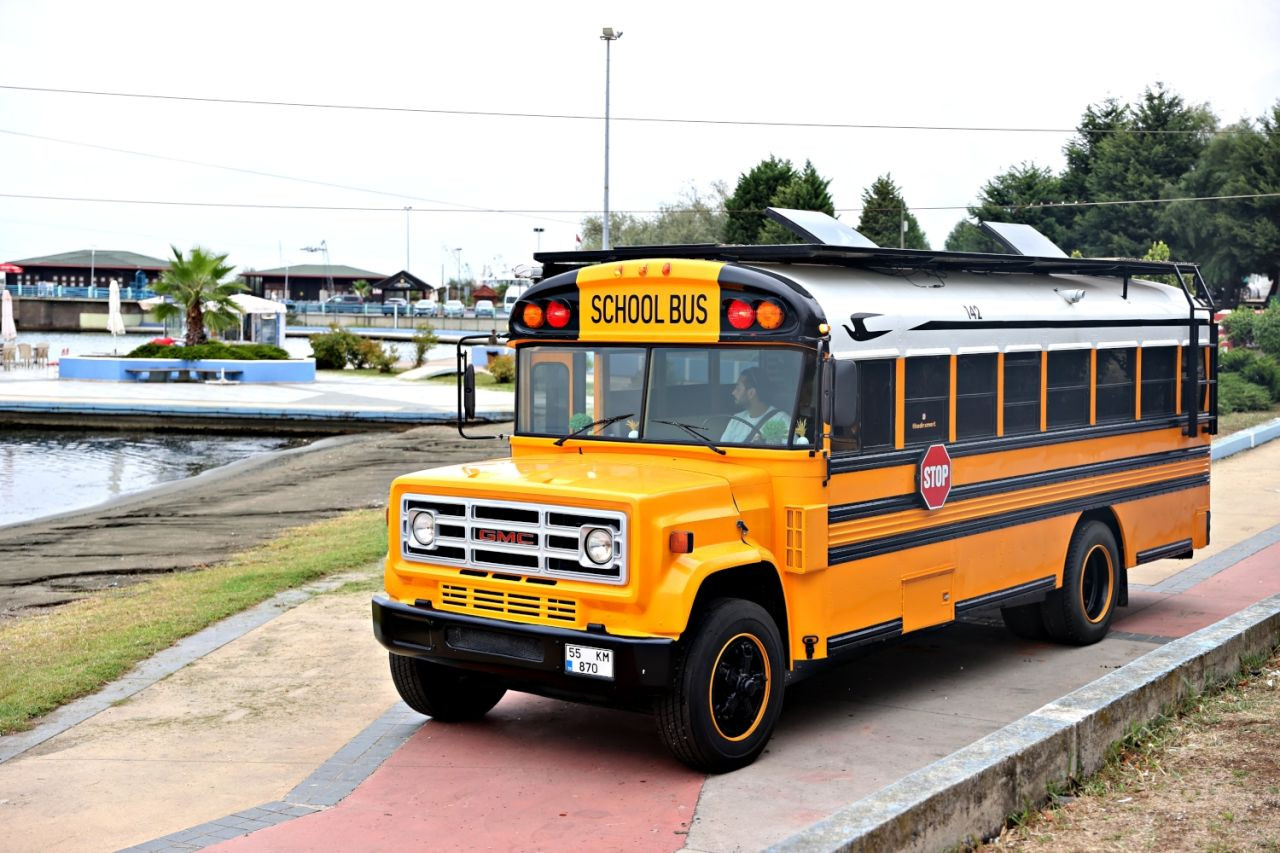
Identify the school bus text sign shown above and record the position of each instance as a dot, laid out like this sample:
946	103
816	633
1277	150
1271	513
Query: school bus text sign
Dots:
628	305
934	476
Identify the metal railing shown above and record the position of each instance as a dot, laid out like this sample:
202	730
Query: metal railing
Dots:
49	290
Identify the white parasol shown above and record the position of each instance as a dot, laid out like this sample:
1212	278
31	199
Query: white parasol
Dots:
115	320
8	331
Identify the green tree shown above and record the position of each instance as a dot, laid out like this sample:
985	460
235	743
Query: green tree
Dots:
697	217
196	286
1099	122
967	237
1232	238
806	191
361	288
754	192
1163	140
883	212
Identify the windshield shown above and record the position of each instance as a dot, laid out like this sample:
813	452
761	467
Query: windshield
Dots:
682	395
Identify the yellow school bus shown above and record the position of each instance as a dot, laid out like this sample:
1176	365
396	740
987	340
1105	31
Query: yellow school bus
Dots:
732	466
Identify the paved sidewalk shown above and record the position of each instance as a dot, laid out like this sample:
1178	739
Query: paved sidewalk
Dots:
350	401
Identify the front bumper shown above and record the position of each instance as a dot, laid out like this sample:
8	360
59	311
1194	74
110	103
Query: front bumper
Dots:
526	657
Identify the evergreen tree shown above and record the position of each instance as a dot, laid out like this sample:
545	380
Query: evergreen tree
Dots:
1025	194
755	191
807	191
967	237
883	212
695	218
1140	165
1232	238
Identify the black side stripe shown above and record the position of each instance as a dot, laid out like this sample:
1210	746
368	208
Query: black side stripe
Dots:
952	325
1021	594
898	503
849	463
942	533
875	633
1173	549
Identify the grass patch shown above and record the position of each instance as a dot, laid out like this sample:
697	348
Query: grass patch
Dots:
1237	421
51	658
483	380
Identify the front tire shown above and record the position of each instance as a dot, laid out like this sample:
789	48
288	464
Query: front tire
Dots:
443	693
726	689
1080	612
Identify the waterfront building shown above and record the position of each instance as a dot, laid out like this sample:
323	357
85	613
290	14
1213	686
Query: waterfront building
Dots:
87	268
307	282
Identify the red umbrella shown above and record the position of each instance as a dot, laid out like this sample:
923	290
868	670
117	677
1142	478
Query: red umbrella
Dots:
13	268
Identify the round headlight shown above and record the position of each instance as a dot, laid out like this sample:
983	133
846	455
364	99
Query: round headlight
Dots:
423	525
599	546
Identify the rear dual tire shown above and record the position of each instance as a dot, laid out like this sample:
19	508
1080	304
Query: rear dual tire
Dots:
1080	612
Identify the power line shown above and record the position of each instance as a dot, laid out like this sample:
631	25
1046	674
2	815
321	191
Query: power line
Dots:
586	117
532	211
239	169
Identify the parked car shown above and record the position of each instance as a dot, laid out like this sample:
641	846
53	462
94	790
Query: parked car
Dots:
484	308
290	307
395	305
343	303
453	308
426	308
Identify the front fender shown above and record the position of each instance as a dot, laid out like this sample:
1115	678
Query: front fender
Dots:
674	597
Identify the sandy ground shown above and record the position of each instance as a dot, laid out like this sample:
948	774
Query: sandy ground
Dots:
201	520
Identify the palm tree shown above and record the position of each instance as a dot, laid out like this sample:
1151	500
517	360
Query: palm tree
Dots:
195	285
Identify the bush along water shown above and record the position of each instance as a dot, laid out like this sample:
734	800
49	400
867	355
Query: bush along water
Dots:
211	350
337	348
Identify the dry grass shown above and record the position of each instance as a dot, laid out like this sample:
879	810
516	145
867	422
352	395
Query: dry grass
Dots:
1205	779
51	658
1237	421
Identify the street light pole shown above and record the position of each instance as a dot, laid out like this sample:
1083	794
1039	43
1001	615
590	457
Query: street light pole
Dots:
457	257
406	238
609	36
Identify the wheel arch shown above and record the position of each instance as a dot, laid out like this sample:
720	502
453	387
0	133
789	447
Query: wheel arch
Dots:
1107	516
756	582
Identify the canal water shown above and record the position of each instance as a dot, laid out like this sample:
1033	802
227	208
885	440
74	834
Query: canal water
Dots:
43	472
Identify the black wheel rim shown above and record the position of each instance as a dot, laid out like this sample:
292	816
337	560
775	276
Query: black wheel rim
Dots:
739	688
1096	581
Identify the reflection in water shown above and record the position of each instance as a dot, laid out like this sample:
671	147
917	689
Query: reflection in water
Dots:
43	472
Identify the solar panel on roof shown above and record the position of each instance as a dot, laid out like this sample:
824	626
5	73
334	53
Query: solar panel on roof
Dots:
814	226
1023	239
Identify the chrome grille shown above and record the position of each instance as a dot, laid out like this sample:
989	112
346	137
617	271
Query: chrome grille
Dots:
521	539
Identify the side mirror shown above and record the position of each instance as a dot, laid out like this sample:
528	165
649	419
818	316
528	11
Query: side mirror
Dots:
844	392
469	393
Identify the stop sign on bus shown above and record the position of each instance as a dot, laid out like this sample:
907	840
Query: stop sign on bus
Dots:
934	476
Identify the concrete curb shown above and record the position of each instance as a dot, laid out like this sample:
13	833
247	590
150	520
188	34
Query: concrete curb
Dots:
970	793
1245	439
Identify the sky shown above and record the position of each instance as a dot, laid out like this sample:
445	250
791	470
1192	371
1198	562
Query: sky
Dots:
978	64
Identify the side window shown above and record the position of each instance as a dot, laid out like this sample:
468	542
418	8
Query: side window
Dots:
1116	376
1068	392
928	399
976	396
1021	392
1159	381
873	427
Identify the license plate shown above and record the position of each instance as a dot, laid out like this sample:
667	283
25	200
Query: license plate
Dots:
589	661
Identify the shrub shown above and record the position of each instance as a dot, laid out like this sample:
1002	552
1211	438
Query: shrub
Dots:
1254	367
1238	326
211	349
502	368
423	340
1236	394
1266	329
371	353
334	349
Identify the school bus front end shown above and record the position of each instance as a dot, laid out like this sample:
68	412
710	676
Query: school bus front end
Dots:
632	550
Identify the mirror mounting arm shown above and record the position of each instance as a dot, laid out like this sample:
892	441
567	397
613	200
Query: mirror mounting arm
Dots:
467	386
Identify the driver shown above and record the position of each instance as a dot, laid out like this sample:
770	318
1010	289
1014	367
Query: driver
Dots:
758	422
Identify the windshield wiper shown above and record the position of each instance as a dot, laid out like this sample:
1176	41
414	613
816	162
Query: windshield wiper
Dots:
693	431
603	422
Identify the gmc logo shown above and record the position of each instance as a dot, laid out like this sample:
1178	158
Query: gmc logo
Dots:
506	537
